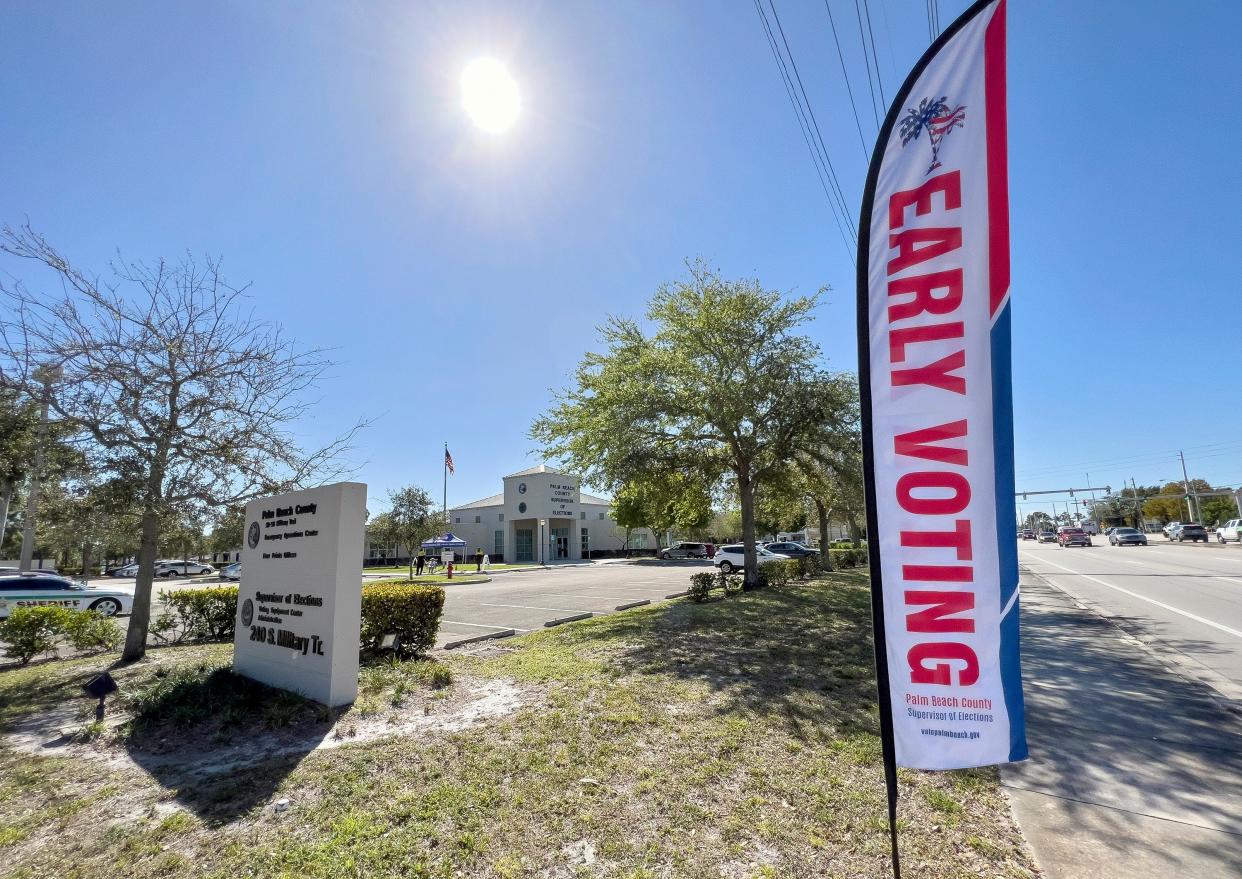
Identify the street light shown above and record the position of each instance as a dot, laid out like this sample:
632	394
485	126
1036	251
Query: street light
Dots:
542	557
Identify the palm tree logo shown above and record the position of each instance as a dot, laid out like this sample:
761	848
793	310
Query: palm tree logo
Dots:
935	116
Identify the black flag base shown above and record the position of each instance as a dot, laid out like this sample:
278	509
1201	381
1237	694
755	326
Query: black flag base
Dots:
892	819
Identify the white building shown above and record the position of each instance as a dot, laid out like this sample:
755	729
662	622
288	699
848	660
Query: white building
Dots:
542	516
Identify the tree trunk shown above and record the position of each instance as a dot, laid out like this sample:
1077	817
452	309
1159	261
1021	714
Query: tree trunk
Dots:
86	563
824	551
750	558
6	498
855	531
140	618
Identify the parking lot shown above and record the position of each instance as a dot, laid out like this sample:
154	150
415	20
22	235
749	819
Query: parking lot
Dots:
526	601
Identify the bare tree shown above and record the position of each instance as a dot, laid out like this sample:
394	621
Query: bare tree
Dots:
171	381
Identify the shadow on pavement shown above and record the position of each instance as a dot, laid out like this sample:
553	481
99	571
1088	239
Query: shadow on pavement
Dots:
1144	762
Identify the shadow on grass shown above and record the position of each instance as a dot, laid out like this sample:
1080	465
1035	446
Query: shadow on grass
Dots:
801	652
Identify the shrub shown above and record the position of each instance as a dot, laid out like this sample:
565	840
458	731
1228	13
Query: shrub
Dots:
848	558
29	631
198	614
775	574
398	607
92	631
701	585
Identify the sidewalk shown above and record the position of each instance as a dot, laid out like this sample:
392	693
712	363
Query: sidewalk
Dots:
1135	771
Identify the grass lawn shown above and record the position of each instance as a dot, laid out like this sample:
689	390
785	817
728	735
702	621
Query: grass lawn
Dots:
680	740
459	576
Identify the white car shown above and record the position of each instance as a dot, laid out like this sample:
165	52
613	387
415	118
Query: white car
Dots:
25	590
1168	529
182	569
732	558
125	571
1231	530
231	572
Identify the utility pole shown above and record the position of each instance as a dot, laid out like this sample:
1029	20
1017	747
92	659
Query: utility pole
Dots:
1138	508
1194	512
46	375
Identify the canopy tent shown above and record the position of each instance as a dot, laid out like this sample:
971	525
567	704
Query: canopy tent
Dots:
445	541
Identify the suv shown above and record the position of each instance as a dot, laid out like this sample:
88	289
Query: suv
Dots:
1073	537
1189	531
791	549
1168	529
685	551
1231	530
732	558
181	569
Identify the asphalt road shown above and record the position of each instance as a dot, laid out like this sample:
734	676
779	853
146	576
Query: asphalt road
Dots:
1182	599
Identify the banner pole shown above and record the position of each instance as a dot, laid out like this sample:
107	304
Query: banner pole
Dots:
445	497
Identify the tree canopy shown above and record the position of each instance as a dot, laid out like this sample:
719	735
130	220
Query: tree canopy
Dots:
723	385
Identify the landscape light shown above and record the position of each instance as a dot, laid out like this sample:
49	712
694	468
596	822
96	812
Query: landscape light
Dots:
99	687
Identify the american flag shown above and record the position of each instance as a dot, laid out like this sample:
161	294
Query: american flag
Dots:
448	460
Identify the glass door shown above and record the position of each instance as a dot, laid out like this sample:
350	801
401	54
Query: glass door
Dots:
524	540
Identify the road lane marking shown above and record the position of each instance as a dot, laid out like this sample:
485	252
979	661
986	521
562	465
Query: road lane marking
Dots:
1168	607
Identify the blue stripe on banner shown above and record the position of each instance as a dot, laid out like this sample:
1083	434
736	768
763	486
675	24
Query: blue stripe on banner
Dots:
1007	546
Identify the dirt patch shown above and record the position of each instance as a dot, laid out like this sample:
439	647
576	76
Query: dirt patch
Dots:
468	703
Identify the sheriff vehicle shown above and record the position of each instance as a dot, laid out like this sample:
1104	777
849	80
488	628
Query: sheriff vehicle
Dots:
46	590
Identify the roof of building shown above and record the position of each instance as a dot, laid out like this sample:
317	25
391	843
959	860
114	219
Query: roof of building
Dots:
592	499
542	468
495	500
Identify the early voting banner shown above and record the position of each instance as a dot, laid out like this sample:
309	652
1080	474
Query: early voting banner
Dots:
934	315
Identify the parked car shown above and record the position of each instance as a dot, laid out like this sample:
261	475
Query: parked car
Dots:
1231	530
231	572
1047	537
124	571
1126	537
182	569
46	590
791	549
1073	537
1189	531
731	558
685	551
1027	534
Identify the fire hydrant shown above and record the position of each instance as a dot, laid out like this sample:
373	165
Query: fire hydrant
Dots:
450	570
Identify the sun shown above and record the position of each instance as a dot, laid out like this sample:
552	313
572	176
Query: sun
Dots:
490	95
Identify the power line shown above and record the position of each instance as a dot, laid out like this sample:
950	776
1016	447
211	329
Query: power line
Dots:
838	210
867	60
841	57
875	56
811	113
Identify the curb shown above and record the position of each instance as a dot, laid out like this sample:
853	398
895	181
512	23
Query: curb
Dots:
490	636
570	619
678	594
630	604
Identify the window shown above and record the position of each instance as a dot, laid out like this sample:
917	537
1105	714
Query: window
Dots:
522	507
478	519
640	540
586	542
584	514
602	515
500	544
500	517
457	520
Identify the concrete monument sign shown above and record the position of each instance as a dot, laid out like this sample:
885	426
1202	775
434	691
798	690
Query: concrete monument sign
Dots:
299	605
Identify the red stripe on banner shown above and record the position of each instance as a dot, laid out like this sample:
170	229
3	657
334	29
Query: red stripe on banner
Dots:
998	158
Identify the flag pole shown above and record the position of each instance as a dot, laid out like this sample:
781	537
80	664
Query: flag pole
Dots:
445	498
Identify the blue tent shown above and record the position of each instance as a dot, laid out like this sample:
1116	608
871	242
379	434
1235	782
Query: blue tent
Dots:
445	541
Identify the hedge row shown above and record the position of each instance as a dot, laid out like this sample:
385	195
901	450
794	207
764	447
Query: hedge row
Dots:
389	607
774	573
28	632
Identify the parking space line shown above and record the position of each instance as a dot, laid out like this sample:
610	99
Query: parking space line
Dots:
475	625
535	607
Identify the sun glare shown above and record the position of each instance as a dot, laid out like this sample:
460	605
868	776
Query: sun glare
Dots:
490	95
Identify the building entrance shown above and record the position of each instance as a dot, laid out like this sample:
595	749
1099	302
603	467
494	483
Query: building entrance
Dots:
560	543
524	540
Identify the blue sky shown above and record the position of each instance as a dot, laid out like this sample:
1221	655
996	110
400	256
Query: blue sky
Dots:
321	150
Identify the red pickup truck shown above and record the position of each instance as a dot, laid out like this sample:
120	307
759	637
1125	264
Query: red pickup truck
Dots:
1073	537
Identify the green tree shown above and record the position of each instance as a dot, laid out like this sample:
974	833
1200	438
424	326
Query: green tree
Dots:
382	530
414	518
19	420
229	530
1038	521
1219	509
662	503
724	385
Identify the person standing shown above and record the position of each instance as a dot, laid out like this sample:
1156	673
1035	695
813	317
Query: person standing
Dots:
420	561
478	559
